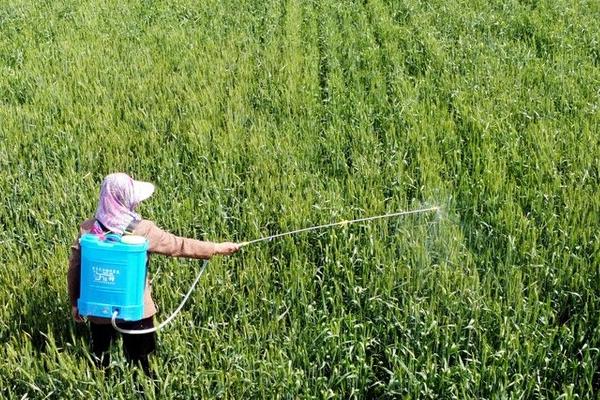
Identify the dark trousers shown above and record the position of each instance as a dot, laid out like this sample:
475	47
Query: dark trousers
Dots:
137	348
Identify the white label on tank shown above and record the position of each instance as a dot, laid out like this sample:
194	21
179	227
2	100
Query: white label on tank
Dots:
106	276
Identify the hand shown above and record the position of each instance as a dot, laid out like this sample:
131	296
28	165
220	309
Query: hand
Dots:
76	317
226	248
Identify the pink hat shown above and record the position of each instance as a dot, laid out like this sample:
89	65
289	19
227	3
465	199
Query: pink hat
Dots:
119	196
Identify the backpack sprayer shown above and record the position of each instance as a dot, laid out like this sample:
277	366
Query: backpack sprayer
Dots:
113	273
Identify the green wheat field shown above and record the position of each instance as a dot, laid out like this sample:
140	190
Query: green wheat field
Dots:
256	117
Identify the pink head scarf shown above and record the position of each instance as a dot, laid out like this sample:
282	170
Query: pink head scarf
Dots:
119	196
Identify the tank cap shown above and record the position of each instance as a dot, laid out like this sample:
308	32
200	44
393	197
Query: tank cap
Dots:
133	239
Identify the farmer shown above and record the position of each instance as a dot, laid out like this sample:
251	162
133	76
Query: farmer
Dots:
119	197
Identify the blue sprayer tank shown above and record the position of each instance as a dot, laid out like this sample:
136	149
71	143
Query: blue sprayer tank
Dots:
113	276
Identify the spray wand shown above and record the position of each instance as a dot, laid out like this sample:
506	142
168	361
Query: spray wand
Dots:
343	223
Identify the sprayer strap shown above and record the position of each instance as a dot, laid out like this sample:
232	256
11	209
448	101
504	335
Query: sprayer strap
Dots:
102	226
131	227
127	231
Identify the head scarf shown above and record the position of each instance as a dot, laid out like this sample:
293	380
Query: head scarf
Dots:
118	199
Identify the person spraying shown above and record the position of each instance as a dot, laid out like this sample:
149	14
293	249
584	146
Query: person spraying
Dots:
115	215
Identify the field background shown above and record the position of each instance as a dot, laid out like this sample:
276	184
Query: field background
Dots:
258	117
